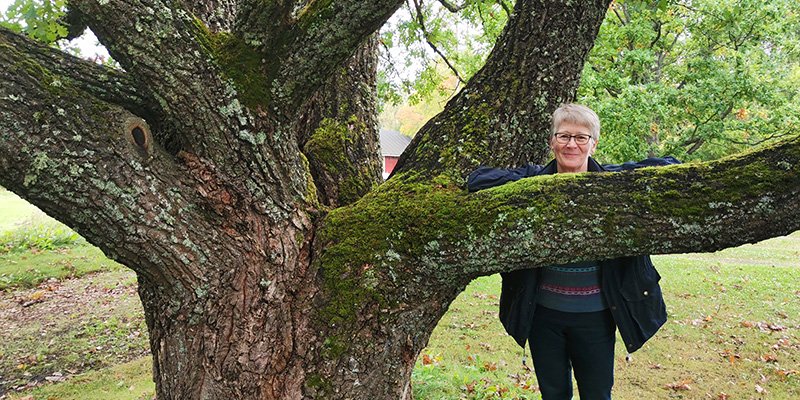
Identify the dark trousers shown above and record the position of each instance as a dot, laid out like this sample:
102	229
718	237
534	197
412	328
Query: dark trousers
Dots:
583	342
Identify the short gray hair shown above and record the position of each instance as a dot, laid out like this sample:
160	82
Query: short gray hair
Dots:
577	114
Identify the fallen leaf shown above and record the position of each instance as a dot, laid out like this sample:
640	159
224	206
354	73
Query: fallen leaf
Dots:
786	372
760	389
776	328
490	366
426	359
682	385
723	396
769	358
470	387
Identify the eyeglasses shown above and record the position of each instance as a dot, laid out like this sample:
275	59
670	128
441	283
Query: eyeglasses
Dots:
564	138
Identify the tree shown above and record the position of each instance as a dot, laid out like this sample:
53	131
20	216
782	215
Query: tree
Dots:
232	164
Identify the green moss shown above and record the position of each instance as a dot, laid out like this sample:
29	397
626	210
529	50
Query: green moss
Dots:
333	347
366	244
240	61
329	146
322	386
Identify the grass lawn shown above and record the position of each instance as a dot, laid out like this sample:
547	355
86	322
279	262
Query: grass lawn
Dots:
35	247
733	330
14	210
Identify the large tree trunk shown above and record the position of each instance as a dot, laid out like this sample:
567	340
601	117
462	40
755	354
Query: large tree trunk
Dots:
233	165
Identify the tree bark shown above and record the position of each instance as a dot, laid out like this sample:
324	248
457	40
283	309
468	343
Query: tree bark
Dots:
238	176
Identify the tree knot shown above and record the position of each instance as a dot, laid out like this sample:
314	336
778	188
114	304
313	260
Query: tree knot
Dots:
138	134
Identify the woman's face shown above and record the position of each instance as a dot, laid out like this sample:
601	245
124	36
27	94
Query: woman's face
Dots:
570	156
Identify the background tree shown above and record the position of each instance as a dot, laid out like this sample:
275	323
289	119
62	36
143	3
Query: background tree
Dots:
231	163
698	80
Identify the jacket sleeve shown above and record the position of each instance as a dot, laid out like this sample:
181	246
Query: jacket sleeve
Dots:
648	162
486	177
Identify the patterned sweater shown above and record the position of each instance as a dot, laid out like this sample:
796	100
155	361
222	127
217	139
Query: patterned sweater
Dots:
571	288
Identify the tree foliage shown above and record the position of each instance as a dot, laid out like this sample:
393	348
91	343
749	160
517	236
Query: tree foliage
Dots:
698	80
695	79
39	19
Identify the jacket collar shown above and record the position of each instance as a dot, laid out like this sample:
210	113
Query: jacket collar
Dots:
552	168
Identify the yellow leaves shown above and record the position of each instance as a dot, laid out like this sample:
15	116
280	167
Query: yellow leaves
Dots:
37	295
730	356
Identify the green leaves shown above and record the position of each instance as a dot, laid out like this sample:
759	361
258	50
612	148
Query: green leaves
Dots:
38	19
437	44
696	80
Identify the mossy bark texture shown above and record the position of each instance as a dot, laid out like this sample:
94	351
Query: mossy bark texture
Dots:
233	165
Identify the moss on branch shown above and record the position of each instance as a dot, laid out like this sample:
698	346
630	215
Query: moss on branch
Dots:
241	62
407	234
330	149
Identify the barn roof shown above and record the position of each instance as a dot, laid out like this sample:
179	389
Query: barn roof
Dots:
393	142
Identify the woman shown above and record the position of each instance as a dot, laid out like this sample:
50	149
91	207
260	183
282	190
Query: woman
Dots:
569	313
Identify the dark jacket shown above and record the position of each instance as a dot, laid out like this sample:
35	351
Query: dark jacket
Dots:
628	284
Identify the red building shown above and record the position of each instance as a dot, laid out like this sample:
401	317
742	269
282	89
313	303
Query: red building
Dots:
392	145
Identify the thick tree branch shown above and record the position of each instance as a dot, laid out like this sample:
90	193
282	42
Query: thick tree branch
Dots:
325	34
174	67
566	217
170	53
101	82
502	116
106	179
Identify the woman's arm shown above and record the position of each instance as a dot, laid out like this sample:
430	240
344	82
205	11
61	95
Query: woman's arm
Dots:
648	162
486	177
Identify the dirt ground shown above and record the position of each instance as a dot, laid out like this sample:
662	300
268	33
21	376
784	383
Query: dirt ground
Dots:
62	328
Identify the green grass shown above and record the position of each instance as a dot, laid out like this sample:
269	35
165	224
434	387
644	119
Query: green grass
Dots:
35	247
717	340
128	381
29	269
